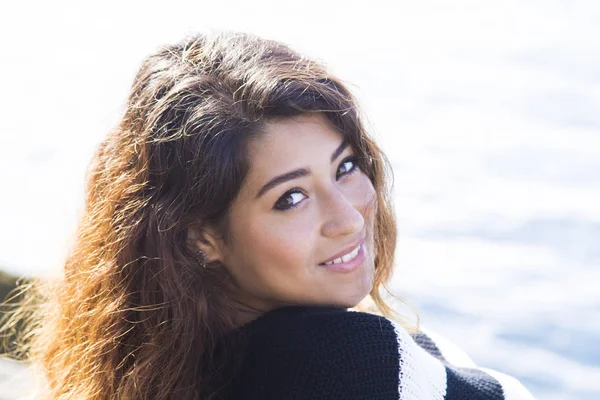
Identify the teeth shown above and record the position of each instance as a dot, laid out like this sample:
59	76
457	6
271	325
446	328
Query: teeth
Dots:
345	257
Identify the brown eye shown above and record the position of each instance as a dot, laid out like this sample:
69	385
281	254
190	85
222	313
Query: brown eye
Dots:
292	198
347	166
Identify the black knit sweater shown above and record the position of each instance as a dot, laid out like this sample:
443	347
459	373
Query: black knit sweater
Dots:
332	353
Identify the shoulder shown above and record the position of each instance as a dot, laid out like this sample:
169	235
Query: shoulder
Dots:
322	352
333	353
326	330
309	317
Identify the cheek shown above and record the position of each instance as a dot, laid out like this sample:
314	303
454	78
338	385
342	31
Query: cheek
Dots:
366	203
364	197
270	243
271	249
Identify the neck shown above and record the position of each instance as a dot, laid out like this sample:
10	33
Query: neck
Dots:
247	310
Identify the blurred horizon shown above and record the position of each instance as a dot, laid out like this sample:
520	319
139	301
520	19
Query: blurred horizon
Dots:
488	111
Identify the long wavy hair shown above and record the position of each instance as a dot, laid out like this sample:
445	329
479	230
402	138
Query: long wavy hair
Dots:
135	316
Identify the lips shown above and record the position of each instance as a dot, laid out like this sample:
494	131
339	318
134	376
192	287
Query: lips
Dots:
344	252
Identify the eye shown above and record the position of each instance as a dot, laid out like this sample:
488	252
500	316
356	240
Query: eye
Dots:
293	197
348	166
290	199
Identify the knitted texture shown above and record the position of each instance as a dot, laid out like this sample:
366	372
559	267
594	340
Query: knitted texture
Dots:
331	353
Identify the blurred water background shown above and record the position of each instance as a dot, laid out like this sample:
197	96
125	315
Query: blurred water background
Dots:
488	110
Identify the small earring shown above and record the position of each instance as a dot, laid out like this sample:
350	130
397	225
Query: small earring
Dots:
201	257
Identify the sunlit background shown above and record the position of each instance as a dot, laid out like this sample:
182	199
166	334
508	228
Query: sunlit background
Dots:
489	111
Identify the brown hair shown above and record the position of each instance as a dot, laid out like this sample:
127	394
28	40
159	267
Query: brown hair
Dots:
134	312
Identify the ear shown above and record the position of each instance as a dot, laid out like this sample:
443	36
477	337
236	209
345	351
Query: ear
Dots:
207	240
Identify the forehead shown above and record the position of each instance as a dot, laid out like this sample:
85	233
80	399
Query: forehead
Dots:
293	134
291	143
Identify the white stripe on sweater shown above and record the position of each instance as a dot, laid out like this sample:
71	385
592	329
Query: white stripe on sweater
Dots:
451	352
422	376
512	388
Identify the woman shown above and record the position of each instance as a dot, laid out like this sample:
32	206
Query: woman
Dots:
232	219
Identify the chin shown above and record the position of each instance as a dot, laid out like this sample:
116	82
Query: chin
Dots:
352	300
351	293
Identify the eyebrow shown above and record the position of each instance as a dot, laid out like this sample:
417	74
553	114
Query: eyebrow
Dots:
298	173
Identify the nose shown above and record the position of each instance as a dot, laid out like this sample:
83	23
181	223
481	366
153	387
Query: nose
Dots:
342	215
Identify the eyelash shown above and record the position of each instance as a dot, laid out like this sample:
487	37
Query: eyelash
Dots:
352	170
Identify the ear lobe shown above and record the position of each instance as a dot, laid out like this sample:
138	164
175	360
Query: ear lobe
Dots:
206	240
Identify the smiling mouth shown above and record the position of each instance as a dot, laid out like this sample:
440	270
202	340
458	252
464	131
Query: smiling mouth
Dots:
346	257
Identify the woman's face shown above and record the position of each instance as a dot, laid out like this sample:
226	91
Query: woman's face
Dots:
304	202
